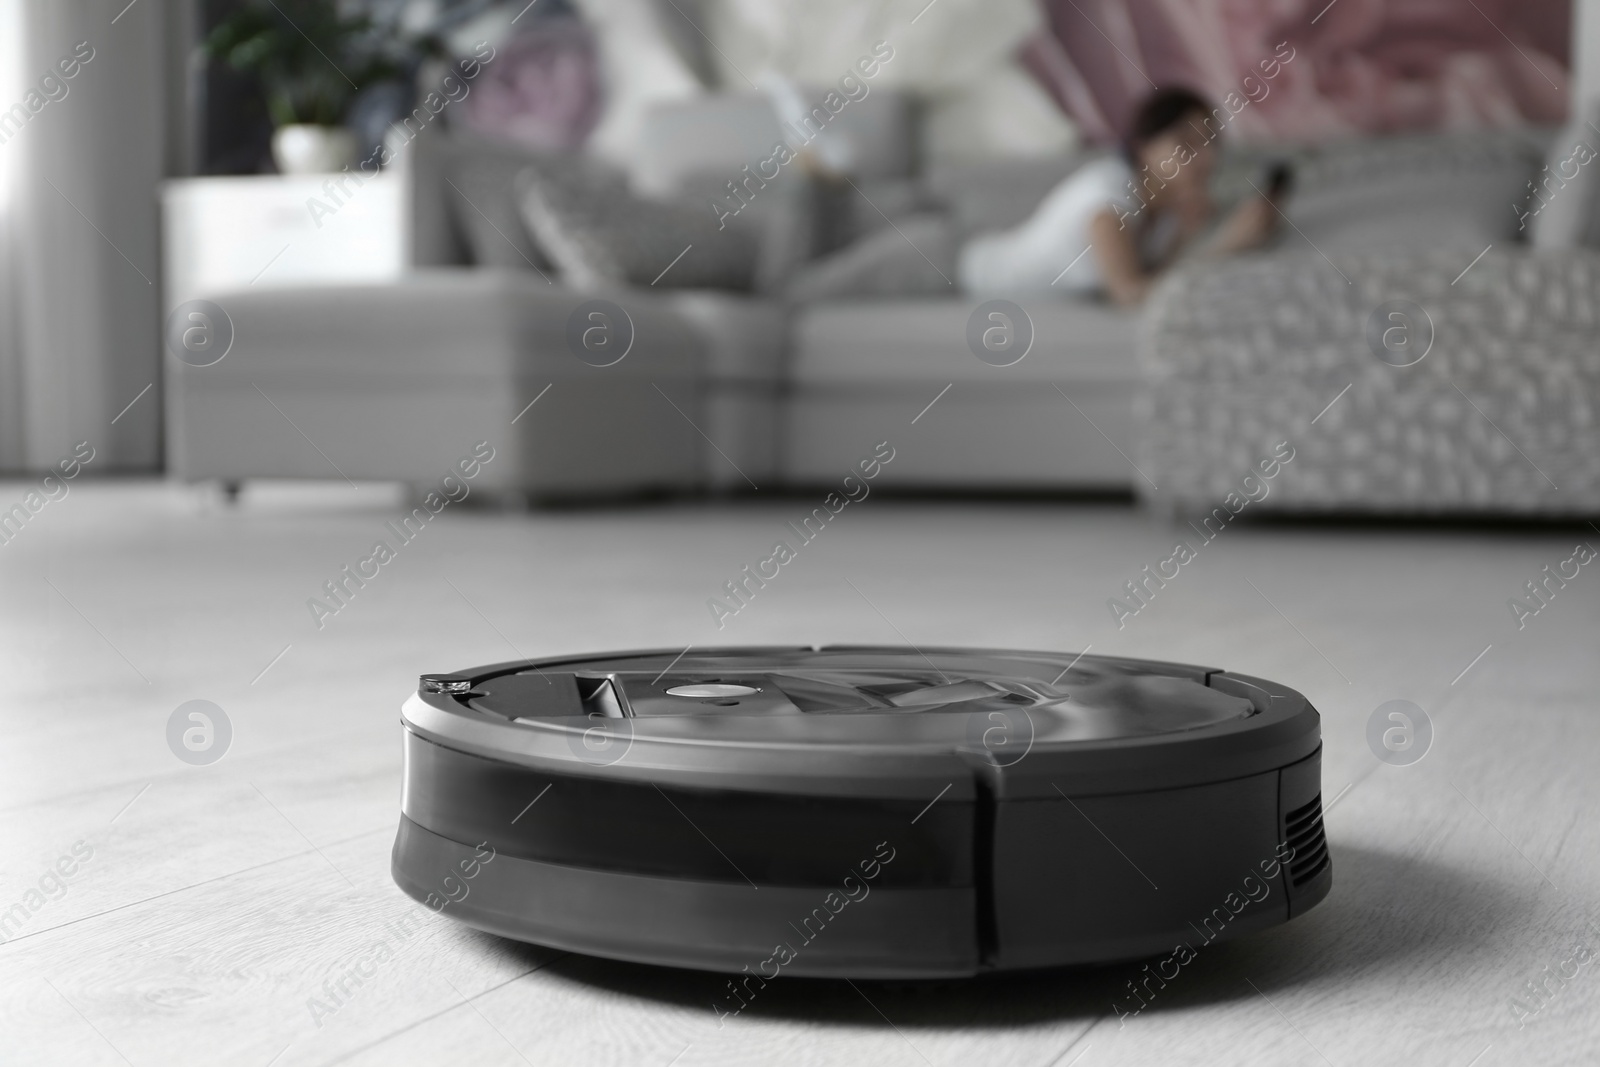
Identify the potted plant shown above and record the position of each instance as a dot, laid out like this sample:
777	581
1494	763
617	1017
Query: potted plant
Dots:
311	60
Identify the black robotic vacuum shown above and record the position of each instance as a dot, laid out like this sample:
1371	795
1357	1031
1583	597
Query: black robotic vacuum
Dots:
861	812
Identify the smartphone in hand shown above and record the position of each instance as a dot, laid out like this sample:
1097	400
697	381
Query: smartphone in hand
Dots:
1280	180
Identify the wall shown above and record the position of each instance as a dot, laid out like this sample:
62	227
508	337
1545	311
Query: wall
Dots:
1358	66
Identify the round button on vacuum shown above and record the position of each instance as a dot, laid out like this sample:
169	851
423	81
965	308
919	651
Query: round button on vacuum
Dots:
712	690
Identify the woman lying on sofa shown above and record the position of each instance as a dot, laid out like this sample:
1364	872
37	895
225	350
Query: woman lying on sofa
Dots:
1108	230
1115	224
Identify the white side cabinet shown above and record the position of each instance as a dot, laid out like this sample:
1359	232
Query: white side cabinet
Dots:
270	231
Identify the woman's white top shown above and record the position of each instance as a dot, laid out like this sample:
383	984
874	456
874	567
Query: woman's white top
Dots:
1050	252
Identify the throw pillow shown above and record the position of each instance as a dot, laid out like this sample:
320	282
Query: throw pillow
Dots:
599	236
916	257
781	218
485	213
481	174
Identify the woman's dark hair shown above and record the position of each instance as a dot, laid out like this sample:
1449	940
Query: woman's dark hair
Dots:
1157	113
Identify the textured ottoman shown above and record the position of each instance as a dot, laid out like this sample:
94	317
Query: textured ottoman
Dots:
1497	413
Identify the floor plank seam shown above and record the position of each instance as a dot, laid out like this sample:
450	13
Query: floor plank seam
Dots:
172	892
1061	1060
444	1011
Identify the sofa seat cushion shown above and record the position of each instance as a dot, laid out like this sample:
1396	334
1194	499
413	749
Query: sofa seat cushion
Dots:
744	341
918	341
745	338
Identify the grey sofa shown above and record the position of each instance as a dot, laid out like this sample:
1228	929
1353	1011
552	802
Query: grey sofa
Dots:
722	391
734	391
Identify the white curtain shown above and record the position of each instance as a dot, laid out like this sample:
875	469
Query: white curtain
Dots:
79	252
12	454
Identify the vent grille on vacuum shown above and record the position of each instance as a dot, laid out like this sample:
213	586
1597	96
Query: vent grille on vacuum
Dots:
1303	830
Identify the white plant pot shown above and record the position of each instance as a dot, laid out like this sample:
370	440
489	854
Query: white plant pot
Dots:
306	149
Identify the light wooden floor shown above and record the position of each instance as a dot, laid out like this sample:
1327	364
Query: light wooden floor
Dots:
218	900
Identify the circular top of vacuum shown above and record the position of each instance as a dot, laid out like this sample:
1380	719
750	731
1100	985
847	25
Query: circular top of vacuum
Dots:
870	721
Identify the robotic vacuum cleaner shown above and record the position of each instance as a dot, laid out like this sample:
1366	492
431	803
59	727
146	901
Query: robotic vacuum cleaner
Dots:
879	812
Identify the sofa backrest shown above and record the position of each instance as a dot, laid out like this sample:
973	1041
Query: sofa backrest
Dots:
729	131
1416	190
1348	196
432	238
